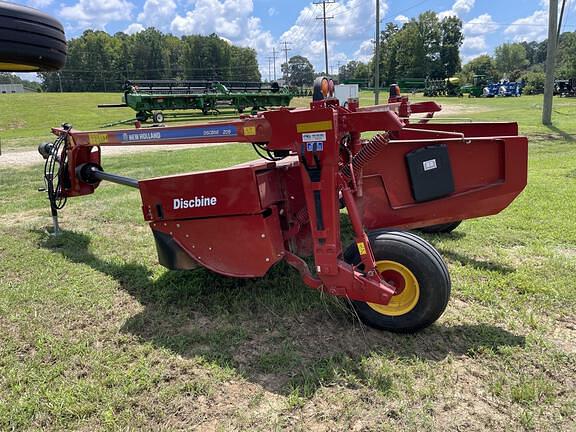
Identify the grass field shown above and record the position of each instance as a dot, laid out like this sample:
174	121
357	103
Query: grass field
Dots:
26	119
95	335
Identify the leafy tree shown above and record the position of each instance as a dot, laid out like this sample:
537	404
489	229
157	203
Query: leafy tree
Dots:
299	70
567	56
419	47
411	61
354	70
452	39
424	47
428	48
98	61
533	82
389	51
481	65
509	57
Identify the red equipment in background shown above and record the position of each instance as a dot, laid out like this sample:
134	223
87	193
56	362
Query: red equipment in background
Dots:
288	206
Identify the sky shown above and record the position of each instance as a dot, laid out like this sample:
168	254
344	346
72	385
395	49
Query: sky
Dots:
266	24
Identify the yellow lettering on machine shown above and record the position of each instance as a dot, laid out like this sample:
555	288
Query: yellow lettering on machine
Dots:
97	138
249	131
361	248
314	127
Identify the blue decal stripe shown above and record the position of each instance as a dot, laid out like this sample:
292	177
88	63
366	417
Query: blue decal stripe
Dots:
163	135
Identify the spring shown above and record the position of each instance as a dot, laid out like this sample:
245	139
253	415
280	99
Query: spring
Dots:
369	151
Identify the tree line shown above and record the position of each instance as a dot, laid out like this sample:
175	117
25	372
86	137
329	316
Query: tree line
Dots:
424	47
427	47
98	61
525	61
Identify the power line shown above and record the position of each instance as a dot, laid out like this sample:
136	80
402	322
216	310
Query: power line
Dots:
286	49
560	21
274	61
309	18
339	63
344	12
512	24
340	6
325	18
568	9
270	68
404	10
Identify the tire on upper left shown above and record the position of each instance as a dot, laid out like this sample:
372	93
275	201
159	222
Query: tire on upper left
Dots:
30	40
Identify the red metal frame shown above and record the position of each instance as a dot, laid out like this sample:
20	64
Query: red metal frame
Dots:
242	220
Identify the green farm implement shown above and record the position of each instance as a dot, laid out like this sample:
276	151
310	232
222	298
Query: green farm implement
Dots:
442	87
151	98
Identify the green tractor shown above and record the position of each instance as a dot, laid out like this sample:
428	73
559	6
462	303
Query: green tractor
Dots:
476	89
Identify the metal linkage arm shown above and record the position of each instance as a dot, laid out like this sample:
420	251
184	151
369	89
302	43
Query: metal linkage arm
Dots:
252	129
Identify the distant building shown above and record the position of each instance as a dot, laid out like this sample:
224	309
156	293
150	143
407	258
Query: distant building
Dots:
12	88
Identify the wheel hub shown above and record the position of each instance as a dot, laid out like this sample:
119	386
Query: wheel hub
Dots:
407	288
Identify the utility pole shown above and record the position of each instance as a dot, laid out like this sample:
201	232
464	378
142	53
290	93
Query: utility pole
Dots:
377	57
274	60
286	49
550	63
270	69
325	18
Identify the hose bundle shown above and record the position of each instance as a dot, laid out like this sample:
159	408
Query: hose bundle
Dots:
54	170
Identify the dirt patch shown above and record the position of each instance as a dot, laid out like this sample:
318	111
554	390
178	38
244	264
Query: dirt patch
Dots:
14	124
459	110
466	405
564	335
566	252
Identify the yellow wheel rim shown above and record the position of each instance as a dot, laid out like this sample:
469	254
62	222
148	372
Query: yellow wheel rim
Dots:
408	289
17	67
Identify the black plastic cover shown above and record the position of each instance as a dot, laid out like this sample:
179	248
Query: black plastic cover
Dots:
430	172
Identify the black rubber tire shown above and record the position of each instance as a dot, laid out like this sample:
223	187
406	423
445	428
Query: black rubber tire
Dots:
141	116
440	228
428	268
30	40
158	117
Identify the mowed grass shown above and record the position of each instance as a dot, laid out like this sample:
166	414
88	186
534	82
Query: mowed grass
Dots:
95	335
